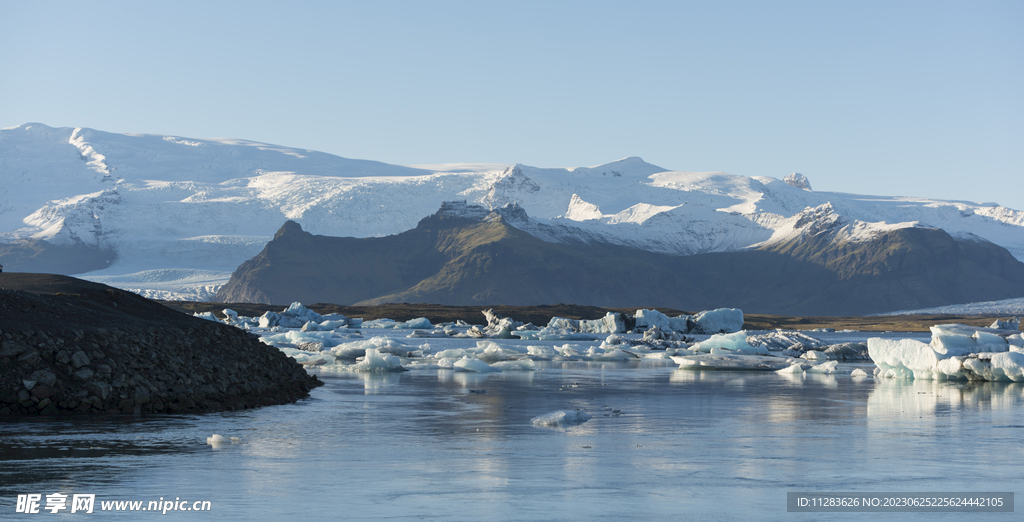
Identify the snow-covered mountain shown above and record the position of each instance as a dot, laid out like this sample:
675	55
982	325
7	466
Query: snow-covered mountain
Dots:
181	213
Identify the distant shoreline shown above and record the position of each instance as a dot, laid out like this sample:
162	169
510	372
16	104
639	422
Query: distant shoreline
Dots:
541	314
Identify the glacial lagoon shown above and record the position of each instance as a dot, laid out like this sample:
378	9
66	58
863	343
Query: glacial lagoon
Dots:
661	444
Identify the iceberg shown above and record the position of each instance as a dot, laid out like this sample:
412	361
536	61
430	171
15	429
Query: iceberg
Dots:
733	362
1009	324
208	316
375	361
419	323
521	365
468	364
561	419
780	340
956	352
722	320
733	343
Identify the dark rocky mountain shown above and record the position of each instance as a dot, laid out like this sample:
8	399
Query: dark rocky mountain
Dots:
470	258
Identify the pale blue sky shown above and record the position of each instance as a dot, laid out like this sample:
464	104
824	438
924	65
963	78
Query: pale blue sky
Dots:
895	98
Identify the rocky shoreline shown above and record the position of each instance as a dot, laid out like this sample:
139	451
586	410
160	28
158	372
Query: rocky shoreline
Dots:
141	358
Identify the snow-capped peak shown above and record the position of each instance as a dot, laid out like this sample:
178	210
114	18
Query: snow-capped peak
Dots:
580	210
798	180
174	205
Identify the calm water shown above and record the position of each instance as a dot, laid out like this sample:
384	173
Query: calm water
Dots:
421	445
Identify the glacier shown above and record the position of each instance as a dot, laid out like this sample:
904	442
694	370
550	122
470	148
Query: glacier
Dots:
182	213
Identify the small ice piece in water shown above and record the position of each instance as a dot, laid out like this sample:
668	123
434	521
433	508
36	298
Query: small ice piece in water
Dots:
814	355
792	369
734	343
859	373
467	364
208	316
828	367
522	365
561	419
722	320
1009	324
545	352
219	440
375	361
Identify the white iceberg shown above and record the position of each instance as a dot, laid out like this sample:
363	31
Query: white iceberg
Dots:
375	361
722	320
468	364
733	343
561	419
732	362
955	352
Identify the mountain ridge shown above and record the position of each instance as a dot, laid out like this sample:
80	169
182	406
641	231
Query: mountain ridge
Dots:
453	259
178	215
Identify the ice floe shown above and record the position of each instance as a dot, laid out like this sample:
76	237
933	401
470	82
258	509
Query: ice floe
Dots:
956	352
561	419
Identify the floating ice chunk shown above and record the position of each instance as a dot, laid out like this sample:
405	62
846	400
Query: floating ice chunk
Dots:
554	334
610	323
375	361
468	364
1007	366
612	355
960	340
454	353
499	326
327	339
432	334
657	355
545	352
208	316
848	352
792	369
561	419
379	323
722	320
859	373
826	367
420	322
814	355
269	319
905	358
782	339
334	324
218	441
567	350
302	313
358	348
647	318
732	362
1015	342
1009	324
735	343
493	353
522	365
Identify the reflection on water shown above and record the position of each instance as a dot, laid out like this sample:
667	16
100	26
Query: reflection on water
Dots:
375	383
902	397
662	443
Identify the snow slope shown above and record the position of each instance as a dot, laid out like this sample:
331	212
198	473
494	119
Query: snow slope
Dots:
183	213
